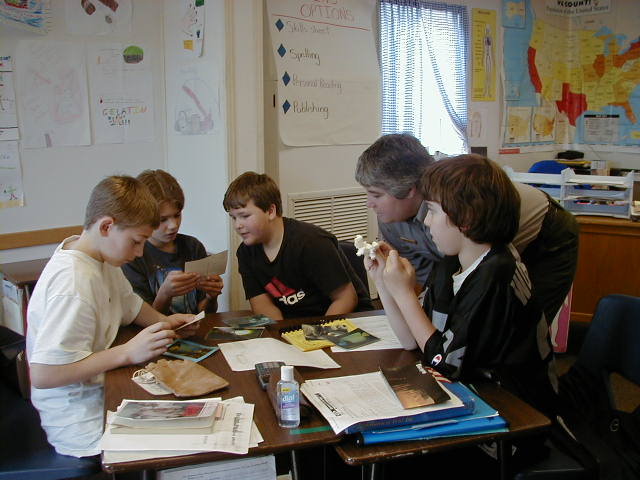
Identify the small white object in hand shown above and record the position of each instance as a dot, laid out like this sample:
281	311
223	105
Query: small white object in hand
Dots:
365	248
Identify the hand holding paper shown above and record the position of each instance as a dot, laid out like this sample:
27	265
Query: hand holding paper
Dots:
215	264
197	318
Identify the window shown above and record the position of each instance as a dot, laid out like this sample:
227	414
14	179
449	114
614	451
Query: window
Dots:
424	51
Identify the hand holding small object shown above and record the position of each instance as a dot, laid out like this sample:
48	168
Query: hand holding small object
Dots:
365	248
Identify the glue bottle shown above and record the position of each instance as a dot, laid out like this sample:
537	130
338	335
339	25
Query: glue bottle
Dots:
288	394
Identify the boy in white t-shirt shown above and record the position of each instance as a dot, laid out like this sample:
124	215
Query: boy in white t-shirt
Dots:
79	302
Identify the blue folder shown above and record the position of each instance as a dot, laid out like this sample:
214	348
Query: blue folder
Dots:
466	396
484	419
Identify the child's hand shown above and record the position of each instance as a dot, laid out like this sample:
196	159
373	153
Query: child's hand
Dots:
178	283
375	267
178	319
211	285
149	343
399	275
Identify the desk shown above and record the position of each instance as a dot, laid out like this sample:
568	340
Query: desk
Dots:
608	262
23	276
118	385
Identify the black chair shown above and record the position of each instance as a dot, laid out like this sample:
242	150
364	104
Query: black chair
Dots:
25	452
356	262
610	346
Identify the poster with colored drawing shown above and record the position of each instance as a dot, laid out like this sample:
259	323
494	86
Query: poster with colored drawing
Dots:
195	102
8	117
122	107
32	15
192	20
54	107
98	17
11	191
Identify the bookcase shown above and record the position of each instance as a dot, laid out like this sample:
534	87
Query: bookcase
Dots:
600	195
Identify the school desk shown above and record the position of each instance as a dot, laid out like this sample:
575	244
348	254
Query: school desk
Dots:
523	419
23	276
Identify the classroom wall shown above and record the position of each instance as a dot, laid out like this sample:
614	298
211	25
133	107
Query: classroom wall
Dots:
296	167
57	181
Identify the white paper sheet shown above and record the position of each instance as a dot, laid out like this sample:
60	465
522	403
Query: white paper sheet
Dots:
377	325
215	264
54	106
121	80
243	355
254	468
345	401
11	189
98	18
8	116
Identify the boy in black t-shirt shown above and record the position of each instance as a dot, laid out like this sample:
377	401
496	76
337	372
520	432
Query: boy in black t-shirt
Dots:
158	276
289	268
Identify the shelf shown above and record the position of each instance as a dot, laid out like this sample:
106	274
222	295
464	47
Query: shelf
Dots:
575	194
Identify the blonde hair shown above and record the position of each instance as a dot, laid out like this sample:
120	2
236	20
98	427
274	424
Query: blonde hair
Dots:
126	199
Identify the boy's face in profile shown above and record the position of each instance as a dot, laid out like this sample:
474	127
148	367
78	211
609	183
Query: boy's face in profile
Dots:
170	220
252	223
447	237
389	208
123	245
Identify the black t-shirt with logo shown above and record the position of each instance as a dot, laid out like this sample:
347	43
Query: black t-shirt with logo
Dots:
308	267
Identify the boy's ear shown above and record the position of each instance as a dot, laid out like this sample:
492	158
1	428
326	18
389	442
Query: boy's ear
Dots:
105	224
272	211
413	191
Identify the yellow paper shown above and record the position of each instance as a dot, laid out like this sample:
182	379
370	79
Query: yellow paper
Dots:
297	338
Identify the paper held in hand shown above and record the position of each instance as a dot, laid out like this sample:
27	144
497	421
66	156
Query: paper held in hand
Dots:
197	318
215	264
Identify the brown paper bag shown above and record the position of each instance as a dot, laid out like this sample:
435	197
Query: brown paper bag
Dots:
185	378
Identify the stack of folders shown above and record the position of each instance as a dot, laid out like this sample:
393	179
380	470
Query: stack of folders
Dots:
158	428
367	406
482	419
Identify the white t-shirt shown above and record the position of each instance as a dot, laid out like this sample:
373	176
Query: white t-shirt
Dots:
76	309
459	278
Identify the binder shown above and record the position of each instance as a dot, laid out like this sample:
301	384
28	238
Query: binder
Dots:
466	396
483	419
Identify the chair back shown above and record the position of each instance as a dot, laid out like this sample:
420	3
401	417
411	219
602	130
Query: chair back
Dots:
611	343
356	262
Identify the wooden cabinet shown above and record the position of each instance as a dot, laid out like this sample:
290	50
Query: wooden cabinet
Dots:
608	262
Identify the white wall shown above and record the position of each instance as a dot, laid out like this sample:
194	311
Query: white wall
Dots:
57	181
199	162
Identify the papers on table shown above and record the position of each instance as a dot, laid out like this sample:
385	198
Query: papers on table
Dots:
215	264
349	400
377	325
230	432
243	355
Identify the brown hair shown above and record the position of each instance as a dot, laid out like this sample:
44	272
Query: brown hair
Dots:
477	196
253	186
163	186
126	199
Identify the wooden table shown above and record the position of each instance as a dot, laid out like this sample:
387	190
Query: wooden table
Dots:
524	420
